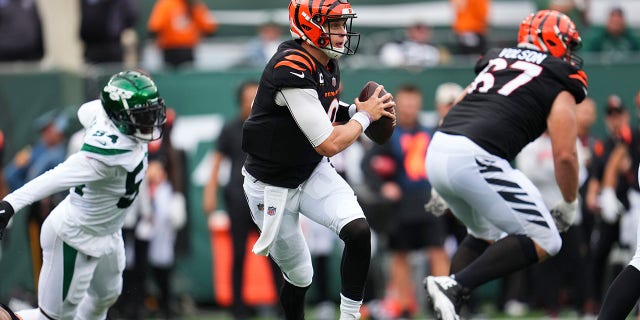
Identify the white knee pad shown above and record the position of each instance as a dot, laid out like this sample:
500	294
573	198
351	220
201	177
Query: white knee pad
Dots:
300	276
550	244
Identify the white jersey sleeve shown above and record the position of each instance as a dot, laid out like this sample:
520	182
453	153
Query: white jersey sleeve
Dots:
76	170
308	113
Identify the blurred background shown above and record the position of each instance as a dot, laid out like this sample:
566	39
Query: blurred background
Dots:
58	55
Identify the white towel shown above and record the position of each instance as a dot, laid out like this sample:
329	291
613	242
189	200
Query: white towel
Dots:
275	199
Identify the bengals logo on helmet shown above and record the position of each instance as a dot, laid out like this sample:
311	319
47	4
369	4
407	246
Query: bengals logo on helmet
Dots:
308	18
553	32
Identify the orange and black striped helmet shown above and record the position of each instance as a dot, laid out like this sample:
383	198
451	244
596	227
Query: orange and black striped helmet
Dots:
308	18
553	32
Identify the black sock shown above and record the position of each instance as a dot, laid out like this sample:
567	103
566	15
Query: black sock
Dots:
292	300
356	257
469	250
501	258
622	295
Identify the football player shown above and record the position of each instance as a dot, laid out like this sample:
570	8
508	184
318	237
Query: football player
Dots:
296	124
518	94
83	251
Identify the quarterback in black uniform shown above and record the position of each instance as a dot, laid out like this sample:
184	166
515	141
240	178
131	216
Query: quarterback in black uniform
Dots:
296	123
518	94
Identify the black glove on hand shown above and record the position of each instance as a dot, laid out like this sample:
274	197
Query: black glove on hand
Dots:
6	212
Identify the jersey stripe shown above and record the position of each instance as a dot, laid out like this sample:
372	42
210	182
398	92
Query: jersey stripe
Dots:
106	152
297	58
580	76
290	65
69	255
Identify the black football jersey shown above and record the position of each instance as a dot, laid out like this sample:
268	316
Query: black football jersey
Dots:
278	151
508	103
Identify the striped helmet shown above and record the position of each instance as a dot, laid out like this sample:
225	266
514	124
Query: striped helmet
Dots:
308	18
553	32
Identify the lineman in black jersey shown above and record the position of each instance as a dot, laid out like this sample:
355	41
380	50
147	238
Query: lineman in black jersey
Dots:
293	128
518	94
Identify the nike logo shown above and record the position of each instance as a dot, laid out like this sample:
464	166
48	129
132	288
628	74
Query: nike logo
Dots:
102	142
299	75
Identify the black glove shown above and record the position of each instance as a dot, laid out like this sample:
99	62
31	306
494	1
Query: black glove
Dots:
6	212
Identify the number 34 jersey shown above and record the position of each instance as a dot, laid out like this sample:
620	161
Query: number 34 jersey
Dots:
508	103
102	179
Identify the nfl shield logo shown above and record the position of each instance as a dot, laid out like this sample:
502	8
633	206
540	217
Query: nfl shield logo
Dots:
271	211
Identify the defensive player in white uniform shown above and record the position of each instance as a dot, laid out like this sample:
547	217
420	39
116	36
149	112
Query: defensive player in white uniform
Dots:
83	251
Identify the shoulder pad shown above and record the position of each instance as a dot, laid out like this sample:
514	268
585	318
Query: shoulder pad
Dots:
294	68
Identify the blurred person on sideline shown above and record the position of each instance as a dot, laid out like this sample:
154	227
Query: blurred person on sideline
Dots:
468	160
102	24
4	188
229	147
415	50
20	31
624	292
606	202
470	25
29	163
82	247
407	187
164	222
616	41
178	26
261	48
296	123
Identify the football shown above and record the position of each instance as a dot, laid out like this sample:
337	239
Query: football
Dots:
380	130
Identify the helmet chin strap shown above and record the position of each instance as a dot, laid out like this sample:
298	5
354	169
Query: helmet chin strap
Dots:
333	53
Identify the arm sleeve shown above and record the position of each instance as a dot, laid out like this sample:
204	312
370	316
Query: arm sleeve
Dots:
76	170
307	111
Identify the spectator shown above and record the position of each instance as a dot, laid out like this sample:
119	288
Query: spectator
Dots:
31	162
165	220
577	10
606	229
102	24
20	31
229	148
179	26
624	291
446	95
615	41
260	49
4	188
470	25
415	50
405	184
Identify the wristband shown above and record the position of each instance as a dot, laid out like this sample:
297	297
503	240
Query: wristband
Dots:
352	110
363	118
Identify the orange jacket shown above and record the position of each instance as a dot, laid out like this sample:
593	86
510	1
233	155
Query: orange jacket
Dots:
471	16
175	28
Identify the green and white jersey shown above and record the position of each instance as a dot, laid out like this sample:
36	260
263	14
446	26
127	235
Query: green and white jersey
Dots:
103	180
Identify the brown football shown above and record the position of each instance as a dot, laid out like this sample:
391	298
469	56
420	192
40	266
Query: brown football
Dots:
380	130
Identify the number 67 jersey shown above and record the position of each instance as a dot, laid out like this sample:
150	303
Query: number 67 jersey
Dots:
508	103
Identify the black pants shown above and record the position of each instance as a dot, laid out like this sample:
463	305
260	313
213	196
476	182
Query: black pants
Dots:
176	57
